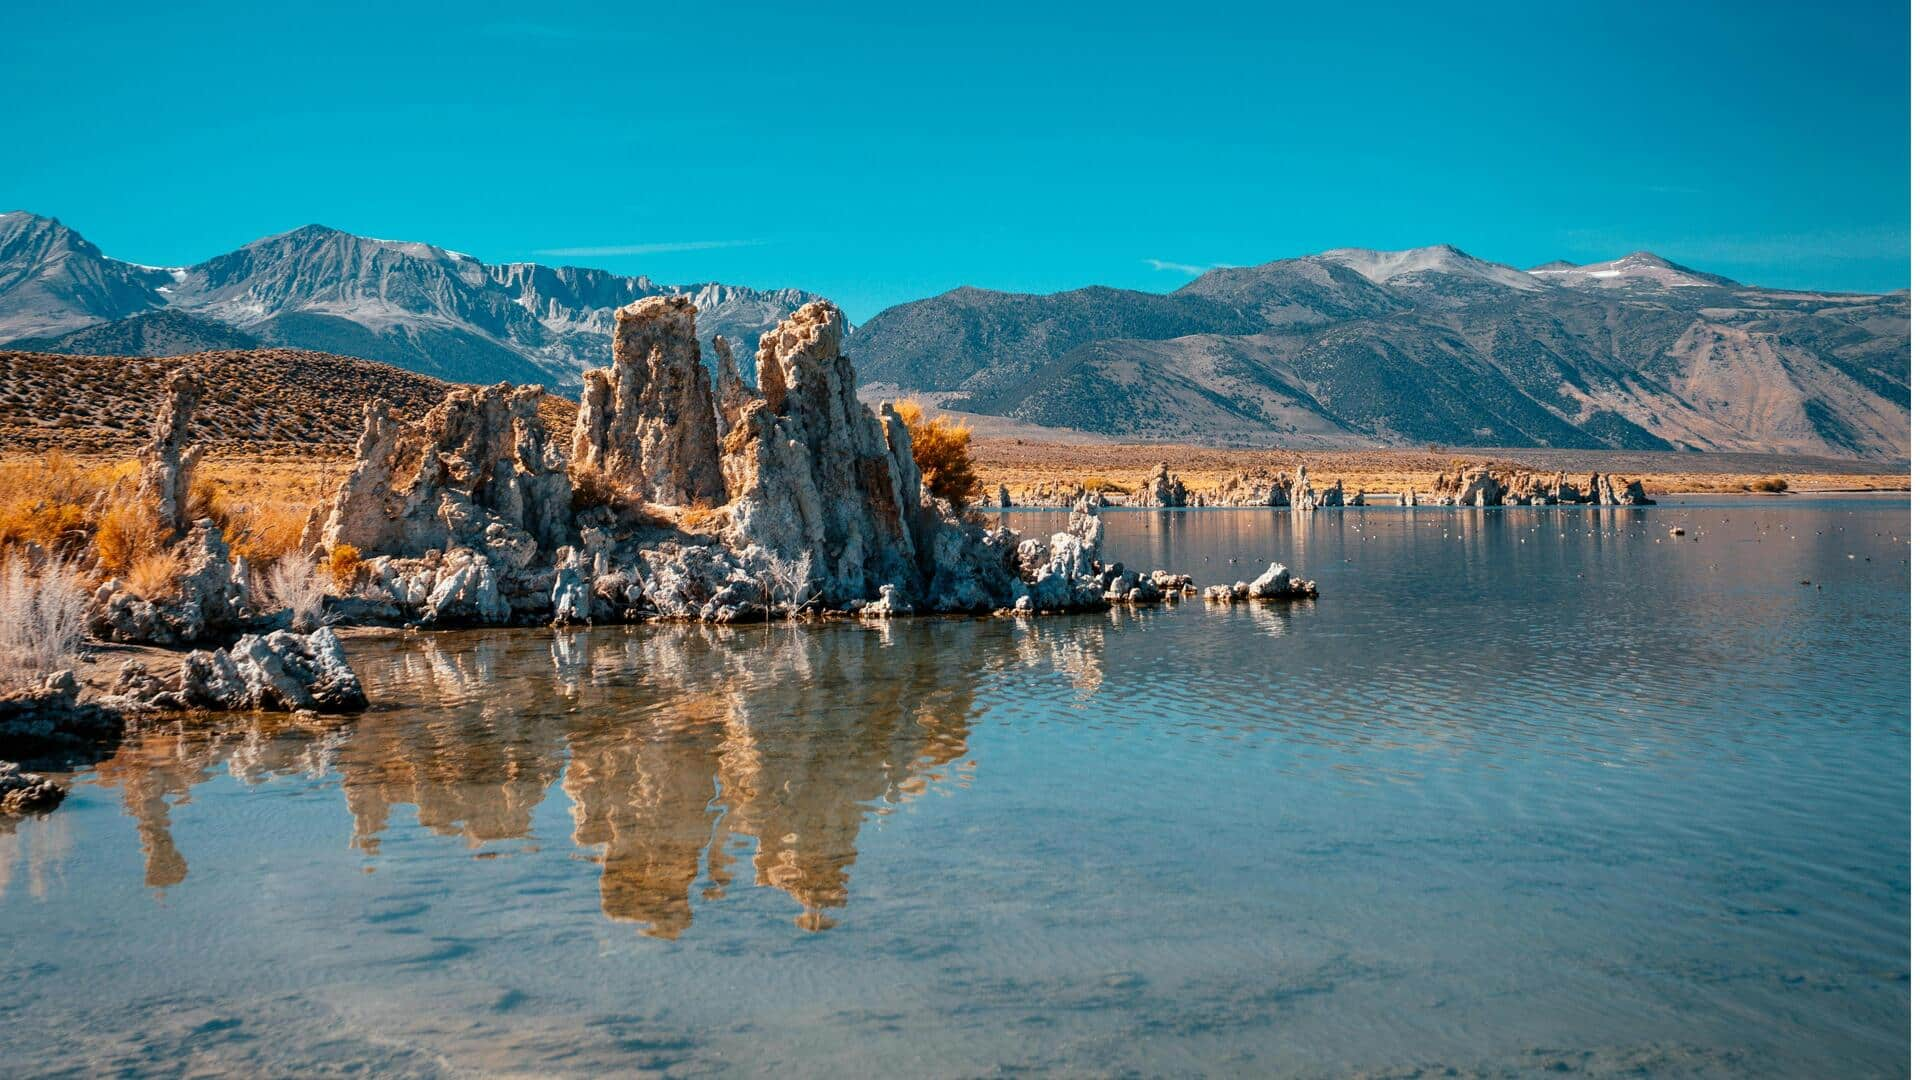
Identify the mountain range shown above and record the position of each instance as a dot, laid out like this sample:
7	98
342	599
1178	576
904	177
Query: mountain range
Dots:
1354	347
1347	348
414	305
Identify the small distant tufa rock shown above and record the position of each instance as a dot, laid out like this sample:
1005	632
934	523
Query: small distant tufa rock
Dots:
1162	489
1275	583
1482	485
1257	488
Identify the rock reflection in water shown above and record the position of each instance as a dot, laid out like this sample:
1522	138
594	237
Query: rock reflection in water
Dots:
675	746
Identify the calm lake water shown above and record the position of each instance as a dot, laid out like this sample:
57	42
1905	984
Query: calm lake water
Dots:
1524	790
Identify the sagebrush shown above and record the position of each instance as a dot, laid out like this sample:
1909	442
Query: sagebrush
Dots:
42	618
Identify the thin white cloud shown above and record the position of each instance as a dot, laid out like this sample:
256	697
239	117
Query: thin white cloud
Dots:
665	248
1185	268
533	30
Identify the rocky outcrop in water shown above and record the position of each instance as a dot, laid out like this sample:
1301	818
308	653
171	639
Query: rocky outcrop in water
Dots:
812	474
469	516
647	423
1064	573
1060	494
1300	495
1275	583
280	672
49	718
1483	485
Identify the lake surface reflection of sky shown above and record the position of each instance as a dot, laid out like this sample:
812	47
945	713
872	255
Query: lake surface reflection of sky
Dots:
1524	790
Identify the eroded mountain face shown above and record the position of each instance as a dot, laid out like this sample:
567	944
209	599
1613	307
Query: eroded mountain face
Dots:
417	306
1355	348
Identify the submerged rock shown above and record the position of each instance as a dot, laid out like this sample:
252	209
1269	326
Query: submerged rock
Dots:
1277	583
888	606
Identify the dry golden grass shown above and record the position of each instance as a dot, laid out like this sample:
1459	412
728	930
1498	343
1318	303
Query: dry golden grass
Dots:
50	500
702	518
70	505
593	488
126	531
155	575
262	505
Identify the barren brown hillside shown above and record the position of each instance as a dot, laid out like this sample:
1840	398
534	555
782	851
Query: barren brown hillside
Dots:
259	401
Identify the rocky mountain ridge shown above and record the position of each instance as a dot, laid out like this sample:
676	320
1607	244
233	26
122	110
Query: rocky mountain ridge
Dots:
1354	348
415	305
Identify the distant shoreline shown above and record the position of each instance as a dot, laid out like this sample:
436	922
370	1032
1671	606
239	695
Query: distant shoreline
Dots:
1120	468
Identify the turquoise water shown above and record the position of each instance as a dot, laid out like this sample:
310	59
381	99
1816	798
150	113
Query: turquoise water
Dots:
1524	790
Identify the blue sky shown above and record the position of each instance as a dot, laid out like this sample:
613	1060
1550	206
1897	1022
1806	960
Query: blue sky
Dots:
877	153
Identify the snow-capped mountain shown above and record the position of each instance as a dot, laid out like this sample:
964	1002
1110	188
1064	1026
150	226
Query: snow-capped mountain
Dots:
52	280
416	305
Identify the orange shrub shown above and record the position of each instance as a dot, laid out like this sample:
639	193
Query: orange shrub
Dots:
127	530
343	566
943	448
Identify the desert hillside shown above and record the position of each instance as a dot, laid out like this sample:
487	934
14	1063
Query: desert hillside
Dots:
261	401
